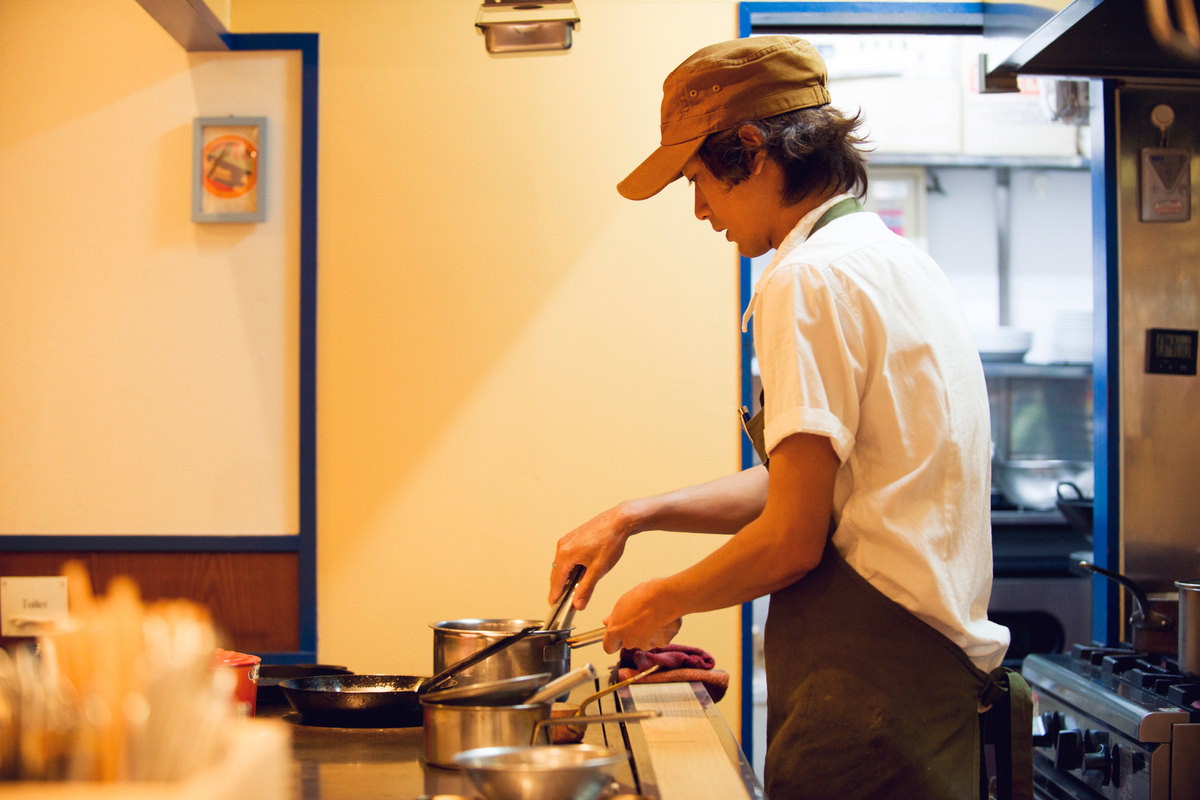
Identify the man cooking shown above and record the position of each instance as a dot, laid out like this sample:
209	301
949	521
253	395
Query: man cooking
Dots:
869	524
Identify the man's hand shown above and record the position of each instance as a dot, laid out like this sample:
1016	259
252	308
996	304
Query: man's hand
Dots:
597	545
642	618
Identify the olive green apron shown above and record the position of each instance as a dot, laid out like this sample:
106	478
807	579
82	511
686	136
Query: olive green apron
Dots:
865	700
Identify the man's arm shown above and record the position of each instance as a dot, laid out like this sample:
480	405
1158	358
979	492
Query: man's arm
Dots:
724	505
777	548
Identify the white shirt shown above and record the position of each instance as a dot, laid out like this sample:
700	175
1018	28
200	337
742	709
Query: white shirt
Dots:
859	338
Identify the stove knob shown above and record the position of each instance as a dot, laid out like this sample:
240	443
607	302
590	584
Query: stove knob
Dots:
1068	753
1116	765
1099	761
1046	728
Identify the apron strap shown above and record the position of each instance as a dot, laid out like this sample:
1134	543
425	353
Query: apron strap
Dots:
1008	727
754	425
840	209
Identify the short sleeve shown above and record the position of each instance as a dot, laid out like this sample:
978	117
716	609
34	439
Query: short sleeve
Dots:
808	340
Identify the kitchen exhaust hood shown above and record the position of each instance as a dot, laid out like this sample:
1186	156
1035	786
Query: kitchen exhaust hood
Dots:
1099	39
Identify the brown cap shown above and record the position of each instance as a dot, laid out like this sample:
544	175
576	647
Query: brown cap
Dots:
720	86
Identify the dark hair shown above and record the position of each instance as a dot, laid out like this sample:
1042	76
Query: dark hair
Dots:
818	149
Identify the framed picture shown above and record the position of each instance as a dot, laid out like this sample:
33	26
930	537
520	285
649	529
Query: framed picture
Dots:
229	158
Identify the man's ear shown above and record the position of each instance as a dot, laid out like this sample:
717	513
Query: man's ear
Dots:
752	139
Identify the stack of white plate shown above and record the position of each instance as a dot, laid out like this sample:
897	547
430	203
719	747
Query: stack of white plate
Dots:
1073	337
1003	343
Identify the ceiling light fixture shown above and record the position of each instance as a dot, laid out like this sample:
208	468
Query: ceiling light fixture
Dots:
518	25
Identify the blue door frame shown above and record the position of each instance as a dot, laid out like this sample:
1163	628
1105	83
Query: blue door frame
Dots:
868	17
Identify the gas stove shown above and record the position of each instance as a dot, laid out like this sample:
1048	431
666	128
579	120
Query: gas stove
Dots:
1114	723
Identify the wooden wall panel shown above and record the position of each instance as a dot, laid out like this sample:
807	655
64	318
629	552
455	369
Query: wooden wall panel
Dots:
253	597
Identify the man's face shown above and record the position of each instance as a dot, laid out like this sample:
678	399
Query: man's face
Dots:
742	211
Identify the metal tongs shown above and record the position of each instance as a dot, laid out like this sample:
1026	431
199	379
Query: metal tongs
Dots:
564	609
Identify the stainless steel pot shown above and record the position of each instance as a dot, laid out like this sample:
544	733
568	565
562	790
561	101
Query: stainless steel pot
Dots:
451	729
540	651
1189	626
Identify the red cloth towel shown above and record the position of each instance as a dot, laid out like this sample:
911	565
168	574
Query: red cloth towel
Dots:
677	663
671	656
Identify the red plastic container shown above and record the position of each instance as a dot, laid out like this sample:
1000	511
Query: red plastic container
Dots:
245	695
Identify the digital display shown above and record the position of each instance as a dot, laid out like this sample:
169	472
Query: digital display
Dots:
1173	345
1170	352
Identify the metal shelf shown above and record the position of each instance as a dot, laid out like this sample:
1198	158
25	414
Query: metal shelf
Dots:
1019	369
979	162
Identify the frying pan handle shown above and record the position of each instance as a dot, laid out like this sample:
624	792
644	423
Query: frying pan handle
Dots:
1144	617
586	638
627	716
475	658
562	684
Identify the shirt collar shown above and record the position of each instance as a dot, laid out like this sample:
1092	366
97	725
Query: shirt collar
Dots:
798	236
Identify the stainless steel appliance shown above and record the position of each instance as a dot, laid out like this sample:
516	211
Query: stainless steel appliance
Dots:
1113	723
1145	122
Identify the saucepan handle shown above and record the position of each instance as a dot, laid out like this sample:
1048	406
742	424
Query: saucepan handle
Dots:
1144	616
626	716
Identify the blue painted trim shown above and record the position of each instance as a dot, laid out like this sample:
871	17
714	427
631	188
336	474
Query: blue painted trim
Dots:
827	6
1106	338
747	342
816	15
309	46
747	732
1005	19
71	543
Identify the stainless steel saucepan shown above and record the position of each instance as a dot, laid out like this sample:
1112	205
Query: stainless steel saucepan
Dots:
541	651
380	700
547	650
1153	621
452	729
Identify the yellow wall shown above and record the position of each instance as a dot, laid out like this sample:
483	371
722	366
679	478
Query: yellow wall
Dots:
506	346
148	375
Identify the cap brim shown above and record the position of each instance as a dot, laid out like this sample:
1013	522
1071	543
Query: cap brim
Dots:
662	167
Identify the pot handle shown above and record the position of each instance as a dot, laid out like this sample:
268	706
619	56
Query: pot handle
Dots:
586	638
1059	490
1143	617
562	684
615	686
626	716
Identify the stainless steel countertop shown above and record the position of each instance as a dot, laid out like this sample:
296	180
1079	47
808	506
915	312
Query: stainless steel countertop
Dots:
364	763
